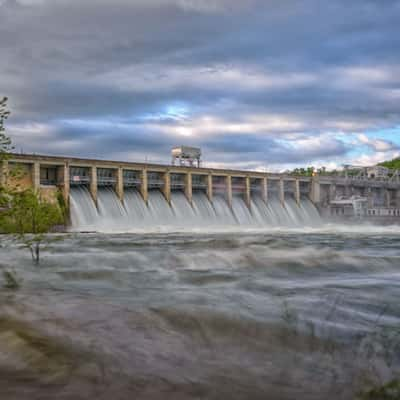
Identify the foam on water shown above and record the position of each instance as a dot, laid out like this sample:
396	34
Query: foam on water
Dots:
112	215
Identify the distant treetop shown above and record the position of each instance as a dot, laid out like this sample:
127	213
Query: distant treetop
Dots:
392	164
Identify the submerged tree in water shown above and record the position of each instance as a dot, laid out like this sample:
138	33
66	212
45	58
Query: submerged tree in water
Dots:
30	218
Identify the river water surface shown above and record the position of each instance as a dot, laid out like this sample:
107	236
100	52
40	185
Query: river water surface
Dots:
224	315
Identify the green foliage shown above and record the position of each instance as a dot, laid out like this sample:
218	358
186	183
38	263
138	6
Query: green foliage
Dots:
310	171
4	199
22	212
5	145
30	218
390	391
63	206
392	164
5	141
27	213
303	171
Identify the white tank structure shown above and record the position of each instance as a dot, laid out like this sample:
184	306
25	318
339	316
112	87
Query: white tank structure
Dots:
186	155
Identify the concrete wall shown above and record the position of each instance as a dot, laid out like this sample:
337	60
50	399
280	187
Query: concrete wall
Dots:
321	189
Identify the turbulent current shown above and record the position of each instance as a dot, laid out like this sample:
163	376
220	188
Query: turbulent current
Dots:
297	314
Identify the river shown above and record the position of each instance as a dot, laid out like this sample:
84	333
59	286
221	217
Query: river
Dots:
248	314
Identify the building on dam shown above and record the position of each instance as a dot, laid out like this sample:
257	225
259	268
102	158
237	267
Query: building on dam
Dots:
371	196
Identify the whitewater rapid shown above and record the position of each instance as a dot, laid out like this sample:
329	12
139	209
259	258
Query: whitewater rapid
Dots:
133	214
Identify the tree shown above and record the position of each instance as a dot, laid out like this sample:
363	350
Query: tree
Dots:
22	212
30	218
5	145
5	141
303	171
10	279
392	164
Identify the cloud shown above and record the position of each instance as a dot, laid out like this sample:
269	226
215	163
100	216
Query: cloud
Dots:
378	145
252	82
375	158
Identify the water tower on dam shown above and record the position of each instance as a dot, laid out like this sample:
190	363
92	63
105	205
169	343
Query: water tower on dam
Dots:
186	156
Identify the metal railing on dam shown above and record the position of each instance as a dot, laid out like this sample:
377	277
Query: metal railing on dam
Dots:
46	172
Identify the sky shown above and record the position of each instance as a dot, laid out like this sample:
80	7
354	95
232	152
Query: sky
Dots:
257	84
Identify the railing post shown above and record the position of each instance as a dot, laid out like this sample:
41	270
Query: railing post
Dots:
248	192
120	184
210	187
93	183
297	194
144	186
332	192
315	194
66	183
229	190
36	176
397	198
167	187
282	191
189	187
264	190
388	198
370	197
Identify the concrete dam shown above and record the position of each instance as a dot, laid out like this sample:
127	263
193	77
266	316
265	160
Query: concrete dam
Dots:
115	196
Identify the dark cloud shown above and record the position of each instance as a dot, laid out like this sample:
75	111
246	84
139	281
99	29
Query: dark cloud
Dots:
255	79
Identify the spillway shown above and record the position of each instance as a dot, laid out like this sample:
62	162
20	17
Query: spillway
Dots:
112	215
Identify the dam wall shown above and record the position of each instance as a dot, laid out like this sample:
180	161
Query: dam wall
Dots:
64	173
134	189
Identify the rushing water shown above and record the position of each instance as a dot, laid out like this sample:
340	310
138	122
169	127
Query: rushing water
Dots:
302	314
111	215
